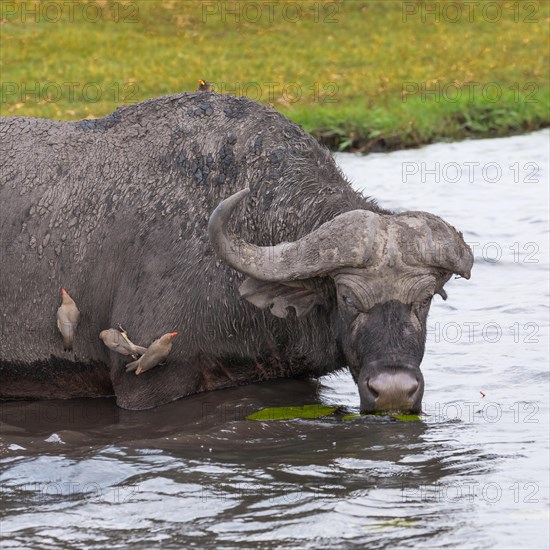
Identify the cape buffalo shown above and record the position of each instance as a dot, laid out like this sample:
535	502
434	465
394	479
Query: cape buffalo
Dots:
298	277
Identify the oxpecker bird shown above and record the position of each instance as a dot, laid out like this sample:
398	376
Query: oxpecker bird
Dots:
118	341
67	319
156	353
204	86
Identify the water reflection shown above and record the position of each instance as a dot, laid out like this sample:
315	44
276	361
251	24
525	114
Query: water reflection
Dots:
199	461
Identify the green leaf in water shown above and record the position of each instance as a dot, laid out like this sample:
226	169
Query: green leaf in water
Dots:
287	413
402	417
406	417
391	524
352	416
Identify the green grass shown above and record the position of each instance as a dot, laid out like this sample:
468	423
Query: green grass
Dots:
340	70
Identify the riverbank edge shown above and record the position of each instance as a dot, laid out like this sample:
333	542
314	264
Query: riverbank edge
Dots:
395	142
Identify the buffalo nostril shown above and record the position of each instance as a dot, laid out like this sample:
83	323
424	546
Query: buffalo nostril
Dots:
372	389
393	384
413	388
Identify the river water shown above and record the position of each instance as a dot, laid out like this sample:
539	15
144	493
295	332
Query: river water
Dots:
473	473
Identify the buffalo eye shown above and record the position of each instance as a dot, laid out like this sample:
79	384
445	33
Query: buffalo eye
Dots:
426	301
347	300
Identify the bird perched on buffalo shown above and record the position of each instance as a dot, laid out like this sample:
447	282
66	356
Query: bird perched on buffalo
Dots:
67	319
204	86
156	353
118	341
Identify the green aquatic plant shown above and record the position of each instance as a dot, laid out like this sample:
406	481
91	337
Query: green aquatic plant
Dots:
289	413
319	411
391	524
396	416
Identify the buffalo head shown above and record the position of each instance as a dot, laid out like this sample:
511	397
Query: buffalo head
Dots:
383	271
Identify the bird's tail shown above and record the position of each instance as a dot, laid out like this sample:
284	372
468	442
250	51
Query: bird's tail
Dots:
139	349
67	343
132	366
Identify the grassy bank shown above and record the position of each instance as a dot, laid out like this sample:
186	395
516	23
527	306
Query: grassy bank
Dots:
360	75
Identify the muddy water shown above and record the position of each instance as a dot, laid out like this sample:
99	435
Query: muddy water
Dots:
472	474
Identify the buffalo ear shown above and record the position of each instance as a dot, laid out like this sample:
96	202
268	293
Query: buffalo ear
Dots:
279	296
441	292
